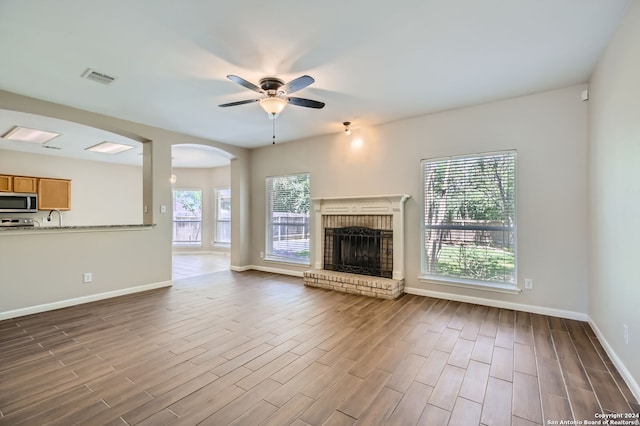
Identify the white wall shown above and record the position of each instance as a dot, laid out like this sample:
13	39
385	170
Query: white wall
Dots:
207	180
549	132
101	193
614	128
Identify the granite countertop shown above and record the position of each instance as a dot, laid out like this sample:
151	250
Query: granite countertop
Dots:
84	228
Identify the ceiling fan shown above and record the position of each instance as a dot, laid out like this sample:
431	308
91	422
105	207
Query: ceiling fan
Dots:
276	94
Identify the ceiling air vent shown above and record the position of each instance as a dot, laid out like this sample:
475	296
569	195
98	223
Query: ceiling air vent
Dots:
90	74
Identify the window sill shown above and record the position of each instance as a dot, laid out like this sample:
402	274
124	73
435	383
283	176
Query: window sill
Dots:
495	287
286	261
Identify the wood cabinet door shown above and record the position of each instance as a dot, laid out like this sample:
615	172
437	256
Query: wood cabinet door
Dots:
25	184
54	194
6	183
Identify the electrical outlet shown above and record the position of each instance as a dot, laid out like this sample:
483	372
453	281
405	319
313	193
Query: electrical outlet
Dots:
528	283
261	255
87	277
626	334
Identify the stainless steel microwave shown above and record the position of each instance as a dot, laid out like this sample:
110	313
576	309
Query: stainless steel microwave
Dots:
15	202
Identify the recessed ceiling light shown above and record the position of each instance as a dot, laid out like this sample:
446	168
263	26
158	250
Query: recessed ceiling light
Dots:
24	134
109	147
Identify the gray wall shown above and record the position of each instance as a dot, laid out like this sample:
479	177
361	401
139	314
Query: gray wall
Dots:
207	180
614	129
549	132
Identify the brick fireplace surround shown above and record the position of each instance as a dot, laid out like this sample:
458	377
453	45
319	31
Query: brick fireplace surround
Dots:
359	211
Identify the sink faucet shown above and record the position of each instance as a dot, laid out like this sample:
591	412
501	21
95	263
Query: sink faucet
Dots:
59	216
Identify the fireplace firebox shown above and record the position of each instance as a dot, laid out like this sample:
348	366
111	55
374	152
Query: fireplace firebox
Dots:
359	250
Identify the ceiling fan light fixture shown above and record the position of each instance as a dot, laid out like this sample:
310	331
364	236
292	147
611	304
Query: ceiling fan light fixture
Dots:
273	105
347	129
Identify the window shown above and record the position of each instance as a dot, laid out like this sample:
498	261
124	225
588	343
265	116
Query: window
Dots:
222	208
470	219
187	217
288	218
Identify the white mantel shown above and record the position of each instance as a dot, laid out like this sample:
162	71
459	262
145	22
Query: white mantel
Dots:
392	205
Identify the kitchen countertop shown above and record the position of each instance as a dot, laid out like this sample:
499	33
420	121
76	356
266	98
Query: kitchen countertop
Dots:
13	230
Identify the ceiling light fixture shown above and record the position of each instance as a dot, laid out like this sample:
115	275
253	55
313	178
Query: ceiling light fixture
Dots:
24	134
109	147
347	130
273	106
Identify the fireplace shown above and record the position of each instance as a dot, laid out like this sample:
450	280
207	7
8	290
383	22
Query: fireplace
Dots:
359	250
359	245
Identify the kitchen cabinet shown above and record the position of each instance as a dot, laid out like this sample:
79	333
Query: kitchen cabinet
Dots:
25	184
54	194
6	183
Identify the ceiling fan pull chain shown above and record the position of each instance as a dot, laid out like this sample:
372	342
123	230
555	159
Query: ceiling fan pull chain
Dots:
274	130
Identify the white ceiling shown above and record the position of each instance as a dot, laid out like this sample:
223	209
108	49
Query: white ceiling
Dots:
374	61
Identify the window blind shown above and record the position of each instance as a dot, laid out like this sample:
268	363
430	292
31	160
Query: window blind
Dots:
223	216
288	204
187	217
470	218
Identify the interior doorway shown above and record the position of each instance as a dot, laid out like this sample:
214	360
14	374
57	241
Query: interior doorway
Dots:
201	210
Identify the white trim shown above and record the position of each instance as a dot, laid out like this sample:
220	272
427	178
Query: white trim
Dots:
390	204
240	268
277	270
622	369
267	269
286	261
485	286
81	300
499	304
191	252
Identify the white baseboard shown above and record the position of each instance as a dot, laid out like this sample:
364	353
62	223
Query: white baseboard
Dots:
203	252
499	304
622	369
240	268
80	300
268	269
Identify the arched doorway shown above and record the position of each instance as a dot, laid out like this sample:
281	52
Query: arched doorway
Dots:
201	206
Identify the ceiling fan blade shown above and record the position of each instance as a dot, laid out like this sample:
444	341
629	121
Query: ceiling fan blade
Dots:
242	82
248	101
297	84
309	103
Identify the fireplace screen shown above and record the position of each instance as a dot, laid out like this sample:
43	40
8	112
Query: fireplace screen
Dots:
359	250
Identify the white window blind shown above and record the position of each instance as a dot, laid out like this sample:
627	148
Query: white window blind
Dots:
288	218
187	217
470	218
223	217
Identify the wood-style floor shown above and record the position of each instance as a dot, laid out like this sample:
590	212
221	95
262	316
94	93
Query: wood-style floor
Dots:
254	348
190	264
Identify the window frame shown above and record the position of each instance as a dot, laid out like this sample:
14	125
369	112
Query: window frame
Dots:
173	218
268	255
430	278
216	217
